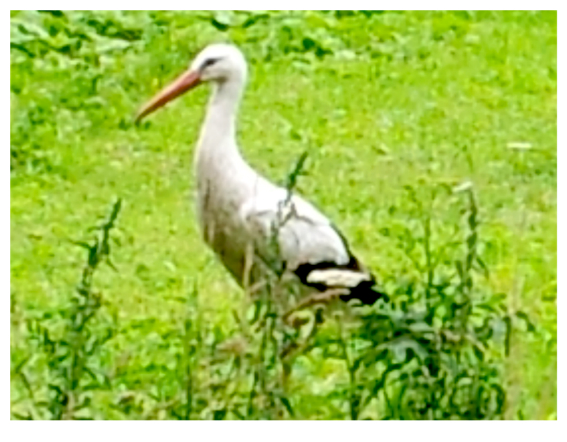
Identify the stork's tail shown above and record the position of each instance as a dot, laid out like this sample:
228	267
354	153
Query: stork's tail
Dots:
366	295
327	276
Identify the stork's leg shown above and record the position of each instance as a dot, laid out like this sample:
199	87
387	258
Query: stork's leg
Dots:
297	347
316	298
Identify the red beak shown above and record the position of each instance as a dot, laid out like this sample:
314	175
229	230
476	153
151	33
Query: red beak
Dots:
182	84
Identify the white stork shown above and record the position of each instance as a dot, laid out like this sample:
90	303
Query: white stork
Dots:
242	214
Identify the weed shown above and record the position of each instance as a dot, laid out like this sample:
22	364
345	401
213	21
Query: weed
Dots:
73	354
394	110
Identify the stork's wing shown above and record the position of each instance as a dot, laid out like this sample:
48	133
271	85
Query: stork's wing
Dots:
291	231
288	232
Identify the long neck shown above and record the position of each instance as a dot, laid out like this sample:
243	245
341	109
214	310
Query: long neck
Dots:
224	179
217	142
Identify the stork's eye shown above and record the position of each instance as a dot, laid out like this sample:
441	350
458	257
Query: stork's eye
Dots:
208	62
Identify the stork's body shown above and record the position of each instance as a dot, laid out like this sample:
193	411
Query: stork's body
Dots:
253	225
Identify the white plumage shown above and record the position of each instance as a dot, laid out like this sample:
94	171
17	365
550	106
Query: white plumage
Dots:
253	225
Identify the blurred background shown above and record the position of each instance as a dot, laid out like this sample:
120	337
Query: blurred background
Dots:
432	144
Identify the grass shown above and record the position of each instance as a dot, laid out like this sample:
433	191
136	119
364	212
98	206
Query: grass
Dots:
380	102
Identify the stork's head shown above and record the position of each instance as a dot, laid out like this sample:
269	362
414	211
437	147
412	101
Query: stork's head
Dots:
218	63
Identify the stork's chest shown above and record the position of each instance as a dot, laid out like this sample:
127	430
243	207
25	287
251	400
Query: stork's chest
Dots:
224	184
218	208
218	200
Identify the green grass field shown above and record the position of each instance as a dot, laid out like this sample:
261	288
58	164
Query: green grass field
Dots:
382	102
